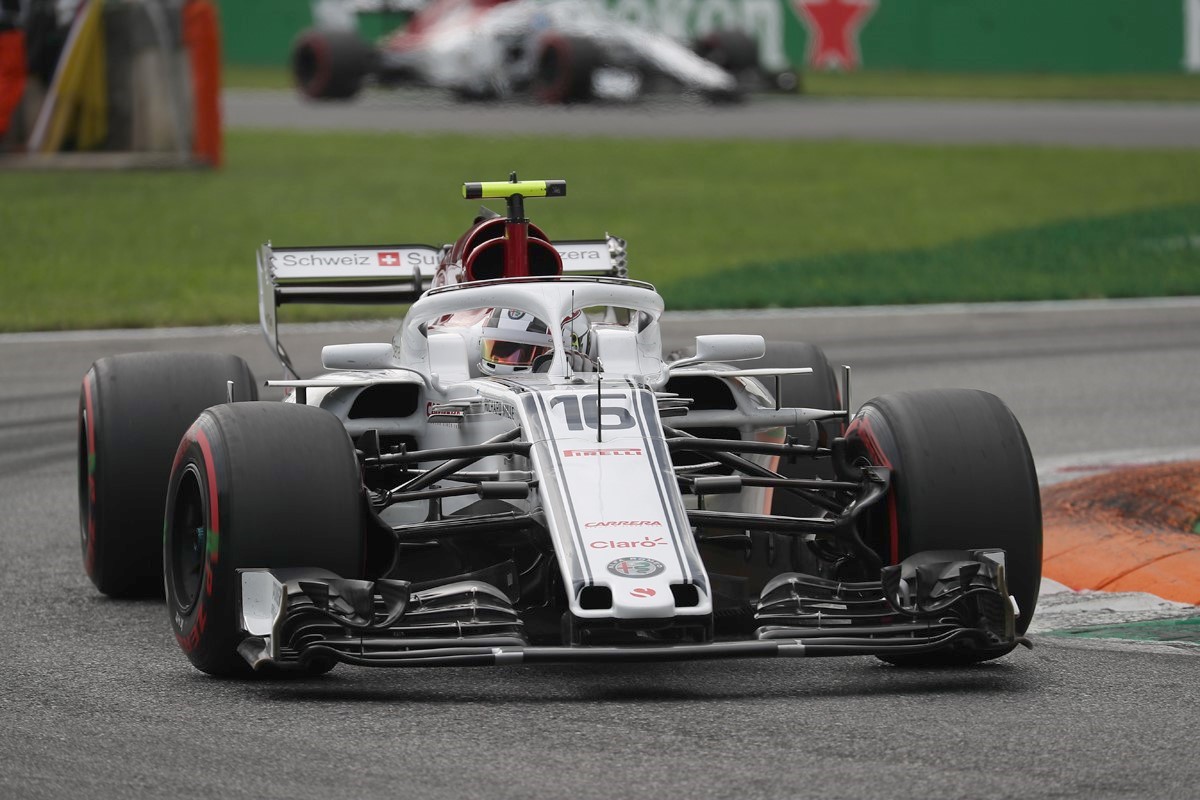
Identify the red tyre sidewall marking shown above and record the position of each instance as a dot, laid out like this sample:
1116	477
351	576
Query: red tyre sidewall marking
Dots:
197	436
89	560
557	91
324	71
862	427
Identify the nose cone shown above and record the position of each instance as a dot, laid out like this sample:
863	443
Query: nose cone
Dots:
640	588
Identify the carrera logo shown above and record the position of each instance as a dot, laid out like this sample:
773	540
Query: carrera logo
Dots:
319	260
624	523
388	259
632	451
611	544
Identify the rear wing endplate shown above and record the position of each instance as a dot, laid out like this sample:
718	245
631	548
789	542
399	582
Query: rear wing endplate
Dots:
384	274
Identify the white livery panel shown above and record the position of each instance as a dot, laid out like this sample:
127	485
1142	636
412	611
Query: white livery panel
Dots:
611	500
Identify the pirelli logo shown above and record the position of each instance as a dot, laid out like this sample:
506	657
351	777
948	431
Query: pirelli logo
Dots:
629	451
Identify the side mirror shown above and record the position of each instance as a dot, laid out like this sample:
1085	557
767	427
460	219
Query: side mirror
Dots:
368	355
725	347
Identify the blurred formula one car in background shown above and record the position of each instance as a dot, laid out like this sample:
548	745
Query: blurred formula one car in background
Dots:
551	51
521	475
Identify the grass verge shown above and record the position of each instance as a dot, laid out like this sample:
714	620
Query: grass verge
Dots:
236	76
1003	86
1137	254
161	248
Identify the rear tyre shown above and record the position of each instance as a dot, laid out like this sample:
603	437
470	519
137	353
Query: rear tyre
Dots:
962	478
564	69
133	409
733	51
254	485
331	65
818	389
736	53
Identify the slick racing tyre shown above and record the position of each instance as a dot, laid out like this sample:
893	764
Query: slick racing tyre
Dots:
264	484
133	409
736	53
331	65
564	69
962	478
733	51
818	389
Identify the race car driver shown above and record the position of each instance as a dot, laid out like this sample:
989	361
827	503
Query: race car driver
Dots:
514	341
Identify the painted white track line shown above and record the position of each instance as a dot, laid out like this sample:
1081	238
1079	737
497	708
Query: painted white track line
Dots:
1081	465
1060	607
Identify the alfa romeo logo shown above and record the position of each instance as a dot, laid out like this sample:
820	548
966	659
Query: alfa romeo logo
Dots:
635	567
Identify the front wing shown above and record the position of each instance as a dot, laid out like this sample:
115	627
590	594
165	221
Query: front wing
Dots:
928	603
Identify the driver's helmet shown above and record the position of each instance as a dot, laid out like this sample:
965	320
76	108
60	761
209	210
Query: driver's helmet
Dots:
579	341
511	341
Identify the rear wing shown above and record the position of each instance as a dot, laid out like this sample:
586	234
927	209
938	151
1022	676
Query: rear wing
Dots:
385	274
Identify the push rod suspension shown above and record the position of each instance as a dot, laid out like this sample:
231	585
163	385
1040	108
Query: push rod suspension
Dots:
500	445
734	520
750	468
698	445
497	445
452	526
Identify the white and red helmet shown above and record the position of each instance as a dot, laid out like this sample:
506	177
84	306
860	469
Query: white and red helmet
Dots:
579	341
511	341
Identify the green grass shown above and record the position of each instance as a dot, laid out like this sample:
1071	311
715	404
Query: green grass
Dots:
885	83
1003	86
154	248
234	76
1141	253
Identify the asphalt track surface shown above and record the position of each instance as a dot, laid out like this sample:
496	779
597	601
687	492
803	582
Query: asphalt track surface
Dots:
1072	123
96	700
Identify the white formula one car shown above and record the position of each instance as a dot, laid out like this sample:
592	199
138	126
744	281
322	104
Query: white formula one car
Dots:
553	51
520	475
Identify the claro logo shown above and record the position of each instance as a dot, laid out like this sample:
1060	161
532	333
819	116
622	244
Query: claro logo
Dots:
646	542
632	451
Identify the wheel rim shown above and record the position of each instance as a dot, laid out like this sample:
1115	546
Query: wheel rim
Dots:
188	538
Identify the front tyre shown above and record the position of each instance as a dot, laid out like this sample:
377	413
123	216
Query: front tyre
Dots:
270	485
962	479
